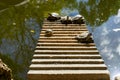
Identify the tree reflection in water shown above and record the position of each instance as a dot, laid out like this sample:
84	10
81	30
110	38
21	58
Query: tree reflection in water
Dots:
20	27
103	17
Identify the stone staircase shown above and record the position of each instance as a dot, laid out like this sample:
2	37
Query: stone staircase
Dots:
61	57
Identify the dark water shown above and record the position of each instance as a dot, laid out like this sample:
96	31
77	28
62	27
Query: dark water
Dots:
6	3
20	27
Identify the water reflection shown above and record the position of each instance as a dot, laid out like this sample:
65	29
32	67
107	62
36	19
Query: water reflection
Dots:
19	31
98	11
20	27
107	40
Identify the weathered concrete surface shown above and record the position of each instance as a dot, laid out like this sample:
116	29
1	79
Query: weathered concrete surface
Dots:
68	75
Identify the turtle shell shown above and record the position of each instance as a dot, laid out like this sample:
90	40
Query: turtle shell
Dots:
53	17
48	32
55	14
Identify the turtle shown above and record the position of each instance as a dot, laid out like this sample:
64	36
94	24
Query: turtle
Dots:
84	37
78	19
66	20
53	16
48	32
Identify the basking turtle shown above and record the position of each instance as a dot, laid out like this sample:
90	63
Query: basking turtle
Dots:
53	16
48	33
66	20
78	19
84	37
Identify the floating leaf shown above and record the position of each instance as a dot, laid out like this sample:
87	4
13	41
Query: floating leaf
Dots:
32	31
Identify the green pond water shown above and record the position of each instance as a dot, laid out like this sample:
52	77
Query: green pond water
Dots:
20	28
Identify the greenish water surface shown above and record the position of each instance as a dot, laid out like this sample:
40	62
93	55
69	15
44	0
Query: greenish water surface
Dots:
7	3
20	28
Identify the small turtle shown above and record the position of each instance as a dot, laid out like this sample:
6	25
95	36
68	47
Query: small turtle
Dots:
84	37
66	20
78	19
53	16
48	33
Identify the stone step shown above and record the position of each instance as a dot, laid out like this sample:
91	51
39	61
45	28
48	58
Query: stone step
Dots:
66	56
66	44
66	48
56	22
68	75
60	35
57	38
59	23
67	51
56	41
64	32
68	67
67	61
64	27
62	57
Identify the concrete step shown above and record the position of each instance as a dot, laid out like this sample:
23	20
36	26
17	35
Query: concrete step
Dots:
56	41
68	75
66	56
59	23
56	22
66	48
66	44
66	51
64	27
67	29
64	32
62	57
67	61
57	38
68	67
60	35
